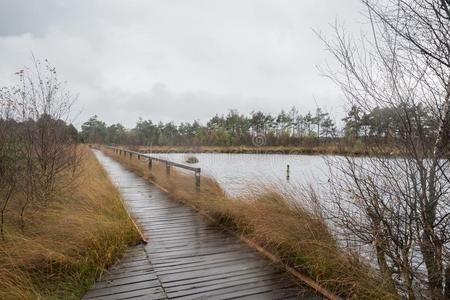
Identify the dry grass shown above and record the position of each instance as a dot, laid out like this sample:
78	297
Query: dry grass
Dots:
338	148
66	246
277	221
326	148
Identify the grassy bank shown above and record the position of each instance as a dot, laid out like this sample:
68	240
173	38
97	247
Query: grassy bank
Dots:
293	229
64	247
355	149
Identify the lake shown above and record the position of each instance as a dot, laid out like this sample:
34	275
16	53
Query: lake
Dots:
236	172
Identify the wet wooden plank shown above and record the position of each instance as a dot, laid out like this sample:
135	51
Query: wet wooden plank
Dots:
186	258
234	291
145	293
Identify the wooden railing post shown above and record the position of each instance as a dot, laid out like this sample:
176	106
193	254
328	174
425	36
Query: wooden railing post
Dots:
197	180
167	168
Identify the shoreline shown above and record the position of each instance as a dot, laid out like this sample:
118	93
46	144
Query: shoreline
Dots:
317	150
330	149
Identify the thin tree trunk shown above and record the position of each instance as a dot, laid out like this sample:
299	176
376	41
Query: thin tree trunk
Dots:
384	268
447	282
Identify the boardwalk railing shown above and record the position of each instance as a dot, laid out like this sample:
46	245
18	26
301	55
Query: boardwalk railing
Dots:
168	163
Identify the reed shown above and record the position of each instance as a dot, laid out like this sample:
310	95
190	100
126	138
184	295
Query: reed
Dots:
67	245
354	148
291	228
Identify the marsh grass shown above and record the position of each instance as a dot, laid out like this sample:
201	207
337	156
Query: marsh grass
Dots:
67	245
291	228
329	148
352	148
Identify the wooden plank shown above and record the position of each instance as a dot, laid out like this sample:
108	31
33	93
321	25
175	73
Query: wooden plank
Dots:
200	260
212	280
130	269
177	244
235	291
195	259
209	266
126	274
193	254
147	293
116	281
209	272
151	285
245	286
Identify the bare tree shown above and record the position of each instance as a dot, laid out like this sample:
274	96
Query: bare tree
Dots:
39	111
399	207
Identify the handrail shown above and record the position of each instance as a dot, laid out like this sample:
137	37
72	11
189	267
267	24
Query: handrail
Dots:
167	162
172	163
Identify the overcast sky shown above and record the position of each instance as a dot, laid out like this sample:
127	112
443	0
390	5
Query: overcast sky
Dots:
178	60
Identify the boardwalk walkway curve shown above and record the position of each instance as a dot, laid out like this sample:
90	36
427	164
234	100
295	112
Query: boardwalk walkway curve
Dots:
185	258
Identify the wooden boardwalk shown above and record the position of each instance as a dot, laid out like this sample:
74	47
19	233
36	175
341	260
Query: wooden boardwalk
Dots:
185	257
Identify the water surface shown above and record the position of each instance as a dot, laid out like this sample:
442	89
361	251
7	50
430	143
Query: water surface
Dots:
236	172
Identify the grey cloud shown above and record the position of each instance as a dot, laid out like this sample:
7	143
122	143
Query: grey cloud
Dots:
210	55
160	103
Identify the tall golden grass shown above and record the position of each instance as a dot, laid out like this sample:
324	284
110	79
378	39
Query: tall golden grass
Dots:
279	222
357	148
67	245
325	148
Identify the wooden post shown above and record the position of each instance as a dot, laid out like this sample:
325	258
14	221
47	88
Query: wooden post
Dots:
197	180
288	172
167	168
150	163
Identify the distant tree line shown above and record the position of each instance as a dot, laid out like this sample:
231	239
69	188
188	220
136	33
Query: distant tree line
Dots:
234	128
288	128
